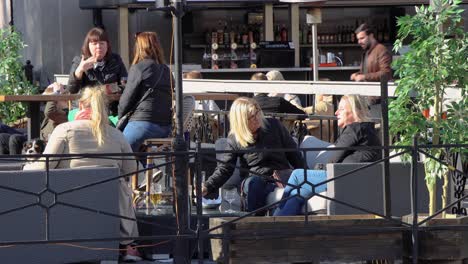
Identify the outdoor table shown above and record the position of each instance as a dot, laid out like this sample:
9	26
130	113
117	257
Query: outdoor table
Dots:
34	102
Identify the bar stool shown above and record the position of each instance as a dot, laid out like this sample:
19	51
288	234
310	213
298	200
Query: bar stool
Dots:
154	145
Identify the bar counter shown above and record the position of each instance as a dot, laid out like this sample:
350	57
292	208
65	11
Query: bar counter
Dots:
296	69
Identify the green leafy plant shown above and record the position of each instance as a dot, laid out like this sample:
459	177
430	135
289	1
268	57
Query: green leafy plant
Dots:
12	78
436	61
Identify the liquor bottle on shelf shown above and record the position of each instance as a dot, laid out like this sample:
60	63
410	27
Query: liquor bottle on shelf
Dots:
309	36
261	34
386	33
239	36
245	36
347	34
220	33
277	33
284	33
329	35
353	36
250	35
226	34
232	35
338	34
214	36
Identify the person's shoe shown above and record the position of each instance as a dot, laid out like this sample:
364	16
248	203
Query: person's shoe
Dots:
131	254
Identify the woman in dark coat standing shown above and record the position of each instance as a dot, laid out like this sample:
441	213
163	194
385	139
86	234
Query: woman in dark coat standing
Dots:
97	65
152	118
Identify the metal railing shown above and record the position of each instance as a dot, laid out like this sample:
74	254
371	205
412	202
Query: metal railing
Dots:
200	233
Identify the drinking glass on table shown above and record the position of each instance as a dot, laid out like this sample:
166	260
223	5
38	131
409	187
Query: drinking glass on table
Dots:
230	196
156	194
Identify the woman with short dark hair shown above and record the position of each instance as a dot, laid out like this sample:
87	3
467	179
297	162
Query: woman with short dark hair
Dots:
97	65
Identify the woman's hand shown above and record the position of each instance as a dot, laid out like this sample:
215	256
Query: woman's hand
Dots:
85	64
204	190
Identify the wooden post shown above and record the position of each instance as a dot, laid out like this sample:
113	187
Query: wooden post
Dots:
268	22
123	36
294	19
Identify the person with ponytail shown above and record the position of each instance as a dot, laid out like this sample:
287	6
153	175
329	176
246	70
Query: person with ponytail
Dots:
91	133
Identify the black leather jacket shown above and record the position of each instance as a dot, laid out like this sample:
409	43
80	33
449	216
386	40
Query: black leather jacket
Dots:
274	136
111	71
354	135
156	108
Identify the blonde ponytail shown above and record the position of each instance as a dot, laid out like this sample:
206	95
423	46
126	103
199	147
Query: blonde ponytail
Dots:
95	98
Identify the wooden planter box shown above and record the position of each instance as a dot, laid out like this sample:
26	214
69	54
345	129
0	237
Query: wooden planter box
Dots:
290	239
440	246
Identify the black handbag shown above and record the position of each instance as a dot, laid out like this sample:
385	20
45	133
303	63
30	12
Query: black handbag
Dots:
123	121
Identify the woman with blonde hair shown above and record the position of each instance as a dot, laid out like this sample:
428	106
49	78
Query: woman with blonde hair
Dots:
152	117
275	75
252	132
356	131
90	133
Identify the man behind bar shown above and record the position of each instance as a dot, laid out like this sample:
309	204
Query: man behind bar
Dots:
376	59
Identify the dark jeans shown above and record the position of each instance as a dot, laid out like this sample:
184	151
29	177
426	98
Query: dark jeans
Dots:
255	190
11	143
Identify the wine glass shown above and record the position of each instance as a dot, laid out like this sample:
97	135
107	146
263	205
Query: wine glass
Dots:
230	196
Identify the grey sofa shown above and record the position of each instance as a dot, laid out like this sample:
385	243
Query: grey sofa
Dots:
364	188
64	222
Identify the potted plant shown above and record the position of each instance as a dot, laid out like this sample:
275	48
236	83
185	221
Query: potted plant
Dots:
12	77
436	61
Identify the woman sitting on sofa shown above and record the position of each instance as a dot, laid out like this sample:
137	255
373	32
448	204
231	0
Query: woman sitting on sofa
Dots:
89	133
356	131
251	131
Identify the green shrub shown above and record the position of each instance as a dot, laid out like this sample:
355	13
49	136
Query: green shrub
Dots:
12	78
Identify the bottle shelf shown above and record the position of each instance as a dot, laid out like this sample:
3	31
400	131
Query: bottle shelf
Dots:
220	46
337	45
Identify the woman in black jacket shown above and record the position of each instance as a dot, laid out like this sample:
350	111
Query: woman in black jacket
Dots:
251	131
356	131
152	117
97	65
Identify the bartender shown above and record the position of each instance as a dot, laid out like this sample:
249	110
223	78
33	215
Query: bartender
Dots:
376	59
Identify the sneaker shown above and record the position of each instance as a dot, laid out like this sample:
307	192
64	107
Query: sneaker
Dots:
131	254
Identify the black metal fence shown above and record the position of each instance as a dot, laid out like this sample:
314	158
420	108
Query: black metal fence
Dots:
197	232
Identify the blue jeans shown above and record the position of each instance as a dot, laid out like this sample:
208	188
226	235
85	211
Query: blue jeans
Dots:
136	132
256	189
293	206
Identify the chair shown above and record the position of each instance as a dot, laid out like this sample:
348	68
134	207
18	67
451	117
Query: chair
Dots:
158	144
